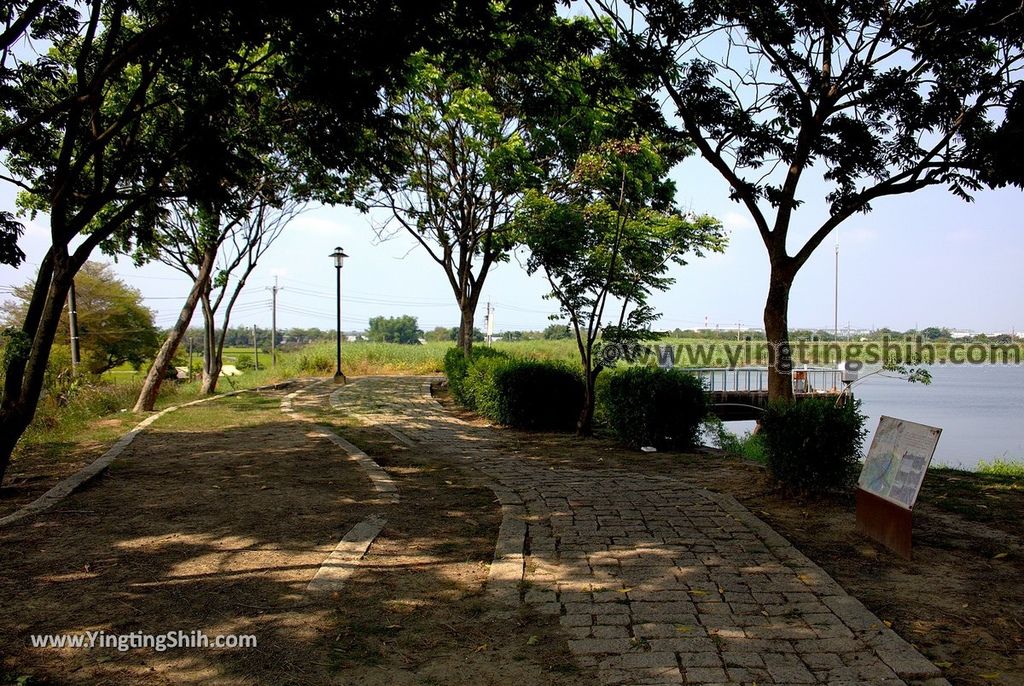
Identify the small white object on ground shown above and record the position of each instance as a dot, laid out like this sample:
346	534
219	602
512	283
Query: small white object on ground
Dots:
648	449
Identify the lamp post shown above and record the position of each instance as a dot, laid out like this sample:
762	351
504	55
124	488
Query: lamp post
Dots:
339	261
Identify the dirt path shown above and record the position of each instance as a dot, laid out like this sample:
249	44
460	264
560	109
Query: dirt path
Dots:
656	580
217	519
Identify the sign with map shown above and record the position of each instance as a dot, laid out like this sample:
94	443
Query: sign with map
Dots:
898	459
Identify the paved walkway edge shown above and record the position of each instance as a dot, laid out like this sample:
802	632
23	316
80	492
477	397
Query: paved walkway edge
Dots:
380	479
508	566
902	657
340	564
70	484
507	574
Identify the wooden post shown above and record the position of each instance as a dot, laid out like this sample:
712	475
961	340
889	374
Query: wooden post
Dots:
885	522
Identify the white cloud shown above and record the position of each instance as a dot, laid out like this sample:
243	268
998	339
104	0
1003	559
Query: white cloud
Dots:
311	224
737	221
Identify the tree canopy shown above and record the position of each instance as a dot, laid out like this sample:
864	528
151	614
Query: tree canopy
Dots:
478	136
605	242
114	326
877	99
402	329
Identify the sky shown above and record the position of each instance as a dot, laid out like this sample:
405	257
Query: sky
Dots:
926	259
917	260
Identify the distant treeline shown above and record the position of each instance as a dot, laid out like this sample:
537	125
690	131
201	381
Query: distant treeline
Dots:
242	336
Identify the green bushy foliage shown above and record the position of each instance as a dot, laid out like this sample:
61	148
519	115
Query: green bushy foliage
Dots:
481	394
527	394
813	447
663	408
456	368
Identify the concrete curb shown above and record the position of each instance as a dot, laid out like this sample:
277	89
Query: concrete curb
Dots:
508	566
381	480
69	485
343	562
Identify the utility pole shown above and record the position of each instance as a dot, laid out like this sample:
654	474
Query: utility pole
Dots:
489	323
76	357
255	348
739	330
273	323
835	308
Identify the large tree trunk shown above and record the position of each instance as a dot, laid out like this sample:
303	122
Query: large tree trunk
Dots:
212	361
776	328
468	308
585	424
25	373
211	376
155	376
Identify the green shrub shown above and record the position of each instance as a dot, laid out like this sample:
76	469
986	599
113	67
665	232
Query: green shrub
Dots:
527	394
645	406
749	445
456	368
813	447
316	361
478	387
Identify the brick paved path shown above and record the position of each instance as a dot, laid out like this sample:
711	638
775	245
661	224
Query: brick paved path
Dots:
655	580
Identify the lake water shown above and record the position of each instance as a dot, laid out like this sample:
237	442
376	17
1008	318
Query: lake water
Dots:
980	409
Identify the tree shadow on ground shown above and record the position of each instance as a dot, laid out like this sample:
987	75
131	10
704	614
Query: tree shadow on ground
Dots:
221	531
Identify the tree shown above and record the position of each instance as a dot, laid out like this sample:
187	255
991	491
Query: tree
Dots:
479	134
239	255
935	333
114	327
557	332
442	334
218	254
126	109
879	99
455	197
606	245
394	330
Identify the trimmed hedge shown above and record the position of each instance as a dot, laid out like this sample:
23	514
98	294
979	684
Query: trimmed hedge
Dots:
813	447
644	406
527	394
456	368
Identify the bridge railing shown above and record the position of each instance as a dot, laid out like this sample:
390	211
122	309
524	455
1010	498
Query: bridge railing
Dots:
755	379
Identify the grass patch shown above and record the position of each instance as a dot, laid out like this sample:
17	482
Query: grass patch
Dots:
749	446
363	358
246	409
978	496
998	467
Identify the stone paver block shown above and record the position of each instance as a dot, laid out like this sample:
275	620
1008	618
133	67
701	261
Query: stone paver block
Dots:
654	574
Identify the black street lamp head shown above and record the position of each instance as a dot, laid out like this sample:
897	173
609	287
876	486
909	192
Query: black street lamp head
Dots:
339	257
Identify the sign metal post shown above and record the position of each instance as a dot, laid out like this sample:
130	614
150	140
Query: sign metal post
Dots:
891	480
